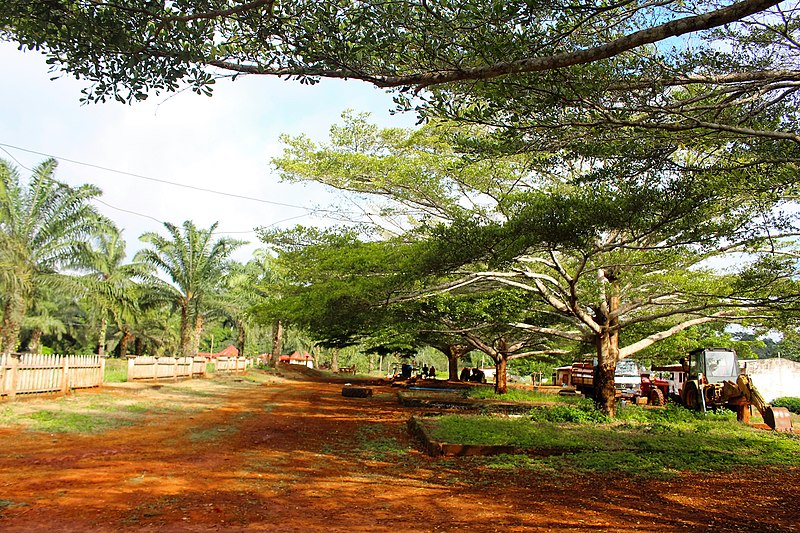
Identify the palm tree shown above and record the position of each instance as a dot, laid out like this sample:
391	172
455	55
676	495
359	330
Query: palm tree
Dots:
44	226
109	285
196	265
43	320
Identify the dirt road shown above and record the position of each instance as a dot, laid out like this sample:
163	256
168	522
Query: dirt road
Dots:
295	455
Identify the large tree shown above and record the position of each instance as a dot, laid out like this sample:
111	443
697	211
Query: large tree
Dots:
531	66
628	266
618	246
195	263
44	228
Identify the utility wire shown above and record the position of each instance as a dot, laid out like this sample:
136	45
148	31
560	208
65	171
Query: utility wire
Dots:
332	214
157	180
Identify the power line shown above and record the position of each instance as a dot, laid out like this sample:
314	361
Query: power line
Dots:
321	213
157	180
218	231
127	210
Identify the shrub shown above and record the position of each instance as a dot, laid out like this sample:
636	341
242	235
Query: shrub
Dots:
792	404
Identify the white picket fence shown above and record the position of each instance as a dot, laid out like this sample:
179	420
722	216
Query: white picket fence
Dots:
156	368
232	365
39	373
145	367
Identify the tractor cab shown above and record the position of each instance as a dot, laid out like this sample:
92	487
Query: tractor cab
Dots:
716	365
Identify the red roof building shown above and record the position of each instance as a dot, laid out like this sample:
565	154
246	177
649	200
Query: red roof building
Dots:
298	358
230	351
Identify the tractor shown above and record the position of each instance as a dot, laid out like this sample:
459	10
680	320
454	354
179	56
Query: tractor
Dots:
711	379
654	389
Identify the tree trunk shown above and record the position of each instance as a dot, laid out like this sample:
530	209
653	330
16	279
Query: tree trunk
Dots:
315	353
241	337
277	343
454	353
101	335
605	396
196	332
36	339
12	318
335	360
124	341
138	346
183	349
500	376
607	344
607	357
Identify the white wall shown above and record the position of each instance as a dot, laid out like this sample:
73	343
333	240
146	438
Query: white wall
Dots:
774	378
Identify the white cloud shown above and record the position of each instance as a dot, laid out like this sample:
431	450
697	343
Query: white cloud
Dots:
222	143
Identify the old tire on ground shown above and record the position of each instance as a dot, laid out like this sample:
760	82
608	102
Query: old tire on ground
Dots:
657	397
691	397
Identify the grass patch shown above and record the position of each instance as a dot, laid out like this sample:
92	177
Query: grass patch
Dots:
67	422
372	441
521	395
640	442
116	371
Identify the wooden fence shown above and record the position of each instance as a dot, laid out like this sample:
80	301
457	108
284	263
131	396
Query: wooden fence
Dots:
38	373
232	365
145	367
155	368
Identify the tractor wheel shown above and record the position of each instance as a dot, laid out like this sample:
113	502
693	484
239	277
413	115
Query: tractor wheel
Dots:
657	397
691	397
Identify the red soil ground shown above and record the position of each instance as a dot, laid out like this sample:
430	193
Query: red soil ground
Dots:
292	457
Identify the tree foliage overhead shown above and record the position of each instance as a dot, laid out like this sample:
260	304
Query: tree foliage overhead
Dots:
617	250
727	66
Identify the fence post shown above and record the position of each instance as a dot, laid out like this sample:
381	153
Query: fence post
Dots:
13	360
131	367
174	369
102	370
65	375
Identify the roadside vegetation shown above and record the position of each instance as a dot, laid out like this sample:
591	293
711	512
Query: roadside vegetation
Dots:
792	404
519	395
565	439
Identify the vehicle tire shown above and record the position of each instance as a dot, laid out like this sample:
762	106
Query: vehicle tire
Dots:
691	397
657	397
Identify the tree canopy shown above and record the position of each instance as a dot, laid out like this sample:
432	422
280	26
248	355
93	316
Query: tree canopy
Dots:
728	67
617	252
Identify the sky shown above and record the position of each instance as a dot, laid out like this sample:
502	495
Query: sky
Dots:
223	143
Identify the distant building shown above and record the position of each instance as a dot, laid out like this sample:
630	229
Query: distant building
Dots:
230	351
774	378
562	376
298	358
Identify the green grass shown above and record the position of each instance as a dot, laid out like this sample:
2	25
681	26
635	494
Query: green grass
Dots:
116	371
520	395
376	445
640	442
66	422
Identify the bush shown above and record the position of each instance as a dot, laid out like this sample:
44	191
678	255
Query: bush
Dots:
792	404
